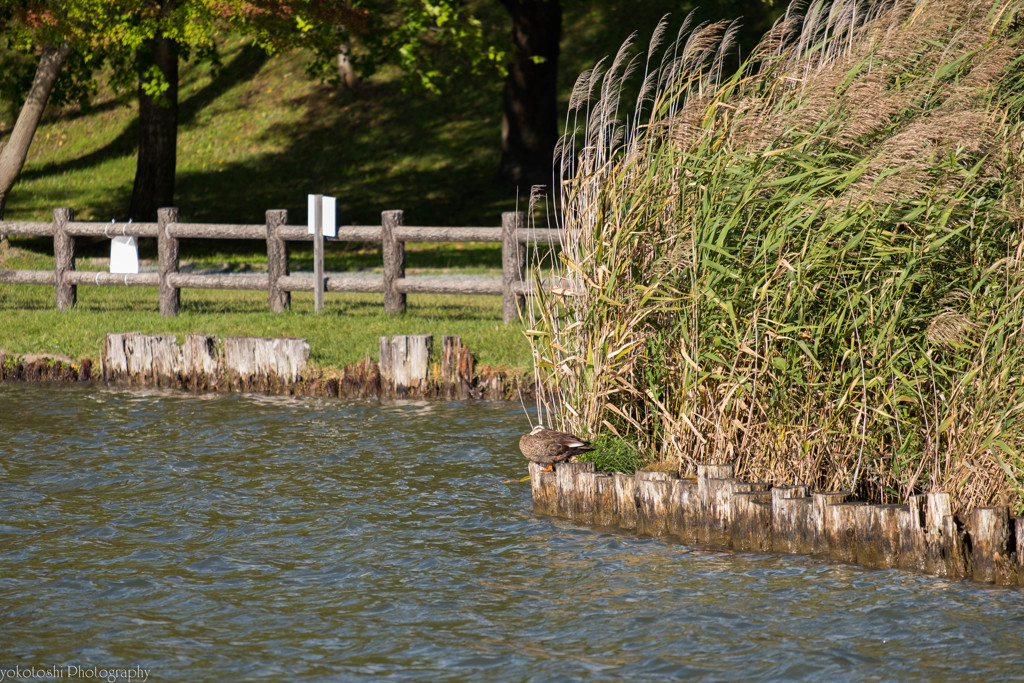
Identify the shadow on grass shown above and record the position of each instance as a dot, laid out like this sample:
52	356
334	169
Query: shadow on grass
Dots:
376	149
241	69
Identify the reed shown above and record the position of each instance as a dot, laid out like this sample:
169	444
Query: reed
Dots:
811	265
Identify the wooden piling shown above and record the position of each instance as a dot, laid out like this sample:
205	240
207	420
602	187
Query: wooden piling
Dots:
625	502
989	530
200	363
394	260
265	365
513	265
841	531
714	488
684	510
545	490
575	490
457	365
820	500
404	364
1019	536
168	248
279	299
791	508
752	520
651	493
877	535
64	258
604	500
136	358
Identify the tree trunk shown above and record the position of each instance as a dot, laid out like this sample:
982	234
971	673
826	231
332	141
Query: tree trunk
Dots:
12	158
158	132
529	122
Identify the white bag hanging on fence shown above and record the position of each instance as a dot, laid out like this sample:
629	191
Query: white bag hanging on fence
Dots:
124	254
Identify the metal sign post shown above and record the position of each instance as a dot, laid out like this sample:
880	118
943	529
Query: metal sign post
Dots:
322	217
318	255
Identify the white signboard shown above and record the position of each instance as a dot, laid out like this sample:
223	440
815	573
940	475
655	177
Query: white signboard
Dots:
330	224
124	254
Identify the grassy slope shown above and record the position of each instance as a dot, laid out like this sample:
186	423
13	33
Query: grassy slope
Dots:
259	135
252	142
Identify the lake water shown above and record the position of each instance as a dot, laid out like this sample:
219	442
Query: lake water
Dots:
223	538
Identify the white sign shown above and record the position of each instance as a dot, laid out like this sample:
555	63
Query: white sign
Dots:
330	224
124	254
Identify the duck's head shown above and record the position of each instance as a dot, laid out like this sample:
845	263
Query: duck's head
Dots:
537	430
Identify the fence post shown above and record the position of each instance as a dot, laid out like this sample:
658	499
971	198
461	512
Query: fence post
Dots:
394	260
277	261
167	249
64	258
513	264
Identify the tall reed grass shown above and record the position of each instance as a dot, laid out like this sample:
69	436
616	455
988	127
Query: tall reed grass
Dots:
811	266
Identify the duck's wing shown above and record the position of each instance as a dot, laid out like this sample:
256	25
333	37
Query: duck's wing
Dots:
566	440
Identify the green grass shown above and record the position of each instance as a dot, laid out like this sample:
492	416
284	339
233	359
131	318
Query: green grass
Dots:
612	454
259	135
345	332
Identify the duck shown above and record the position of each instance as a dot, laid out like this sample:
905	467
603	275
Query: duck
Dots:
547	447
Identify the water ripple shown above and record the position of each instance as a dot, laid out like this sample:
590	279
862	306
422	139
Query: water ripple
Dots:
262	538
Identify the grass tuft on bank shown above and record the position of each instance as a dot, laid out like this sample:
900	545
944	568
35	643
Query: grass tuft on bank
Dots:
812	266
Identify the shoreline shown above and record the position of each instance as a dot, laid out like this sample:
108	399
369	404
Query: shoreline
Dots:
204	363
717	511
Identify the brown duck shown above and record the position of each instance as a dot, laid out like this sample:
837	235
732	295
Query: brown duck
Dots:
547	447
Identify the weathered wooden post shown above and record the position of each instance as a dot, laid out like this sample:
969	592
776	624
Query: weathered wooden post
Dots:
684	510
513	264
714	490
877	534
752	520
394	260
1018	523
820	500
790	519
652	491
277	261
604	499
318	253
989	530
841	531
575	486
545	490
625	502
456	367
64	258
167	248
404	364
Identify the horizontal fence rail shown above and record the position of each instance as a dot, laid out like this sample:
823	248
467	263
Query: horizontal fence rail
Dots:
278	282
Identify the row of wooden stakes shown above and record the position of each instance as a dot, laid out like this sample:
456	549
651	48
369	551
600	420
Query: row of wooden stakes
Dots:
716	510
271	366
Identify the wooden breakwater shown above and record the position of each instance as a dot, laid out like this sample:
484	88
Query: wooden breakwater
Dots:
716	510
272	366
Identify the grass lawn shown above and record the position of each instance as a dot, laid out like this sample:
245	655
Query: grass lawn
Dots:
345	332
259	135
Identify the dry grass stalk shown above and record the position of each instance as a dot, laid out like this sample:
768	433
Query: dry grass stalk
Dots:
811	266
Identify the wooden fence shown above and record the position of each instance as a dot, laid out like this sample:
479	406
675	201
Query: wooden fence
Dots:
278	282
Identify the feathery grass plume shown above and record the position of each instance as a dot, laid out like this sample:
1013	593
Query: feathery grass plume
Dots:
810	265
